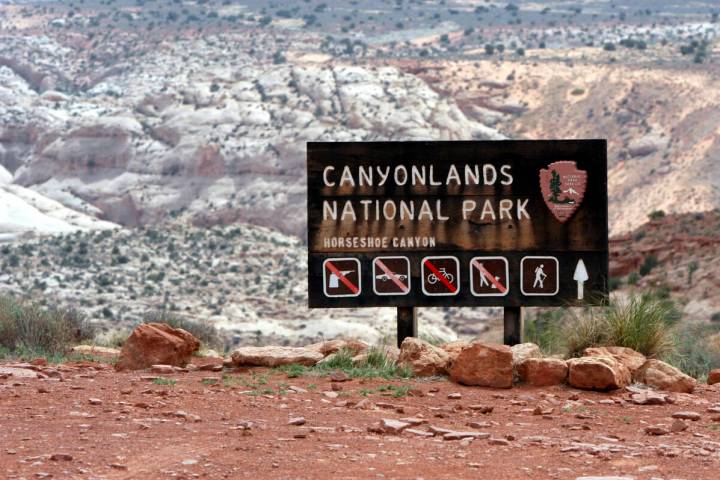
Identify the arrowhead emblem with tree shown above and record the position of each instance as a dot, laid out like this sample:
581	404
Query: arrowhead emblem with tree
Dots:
563	188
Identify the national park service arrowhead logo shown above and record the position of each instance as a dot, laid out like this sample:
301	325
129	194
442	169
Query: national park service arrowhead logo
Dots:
563	188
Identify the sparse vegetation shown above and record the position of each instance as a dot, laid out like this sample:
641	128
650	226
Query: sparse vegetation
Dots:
27	328
375	365
642	322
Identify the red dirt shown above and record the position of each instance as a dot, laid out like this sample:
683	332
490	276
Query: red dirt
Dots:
138	431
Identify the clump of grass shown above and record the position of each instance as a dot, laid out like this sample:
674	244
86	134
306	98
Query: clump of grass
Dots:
694	355
641	322
28	329
546	330
202	330
164	381
292	371
376	364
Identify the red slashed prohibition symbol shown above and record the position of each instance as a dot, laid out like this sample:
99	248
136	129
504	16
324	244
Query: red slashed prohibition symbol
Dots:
563	188
341	277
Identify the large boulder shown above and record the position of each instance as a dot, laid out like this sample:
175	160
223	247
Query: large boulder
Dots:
483	365
597	373
273	356
453	349
542	372
157	343
426	360
662	376
627	356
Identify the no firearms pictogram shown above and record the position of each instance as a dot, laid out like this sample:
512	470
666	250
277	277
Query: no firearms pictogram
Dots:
341	277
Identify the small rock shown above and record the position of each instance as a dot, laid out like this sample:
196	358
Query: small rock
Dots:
498	441
454	396
649	397
694	416
463	435
339	376
392	426
714	377
57	457
657	430
330	394
162	369
482	408
95	401
678	426
118	466
297	421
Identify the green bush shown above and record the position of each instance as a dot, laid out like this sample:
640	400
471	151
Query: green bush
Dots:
656	214
648	264
203	331
642	322
27	329
694	355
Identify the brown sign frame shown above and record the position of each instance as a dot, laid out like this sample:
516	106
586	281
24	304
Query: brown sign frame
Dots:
456	230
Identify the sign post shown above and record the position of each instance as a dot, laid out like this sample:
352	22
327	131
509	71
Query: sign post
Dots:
406	324
457	224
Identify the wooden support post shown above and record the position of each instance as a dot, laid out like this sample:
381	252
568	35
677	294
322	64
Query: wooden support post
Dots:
512	326
406	323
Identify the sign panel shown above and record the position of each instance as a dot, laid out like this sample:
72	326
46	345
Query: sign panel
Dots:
477	223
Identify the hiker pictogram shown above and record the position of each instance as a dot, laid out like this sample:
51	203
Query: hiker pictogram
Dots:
391	275
440	276
489	276
341	277
539	276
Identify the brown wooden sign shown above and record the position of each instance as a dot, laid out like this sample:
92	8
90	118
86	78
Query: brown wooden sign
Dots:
477	223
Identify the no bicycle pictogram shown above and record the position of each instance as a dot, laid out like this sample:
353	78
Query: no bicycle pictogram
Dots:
341	277
489	276
440	276
391	275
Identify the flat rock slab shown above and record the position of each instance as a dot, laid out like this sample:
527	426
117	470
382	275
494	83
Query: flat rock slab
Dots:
18	372
275	356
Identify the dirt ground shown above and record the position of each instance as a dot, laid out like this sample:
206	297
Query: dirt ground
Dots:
88	422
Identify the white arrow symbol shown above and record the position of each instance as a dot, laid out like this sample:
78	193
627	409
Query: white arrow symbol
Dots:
580	276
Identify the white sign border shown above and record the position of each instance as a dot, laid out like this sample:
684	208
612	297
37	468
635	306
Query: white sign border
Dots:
507	278
557	277
409	278
325	282
422	278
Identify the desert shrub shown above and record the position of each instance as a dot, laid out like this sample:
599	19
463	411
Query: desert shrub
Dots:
648	264
546	330
642	322
30	329
204	331
656	214
694	355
